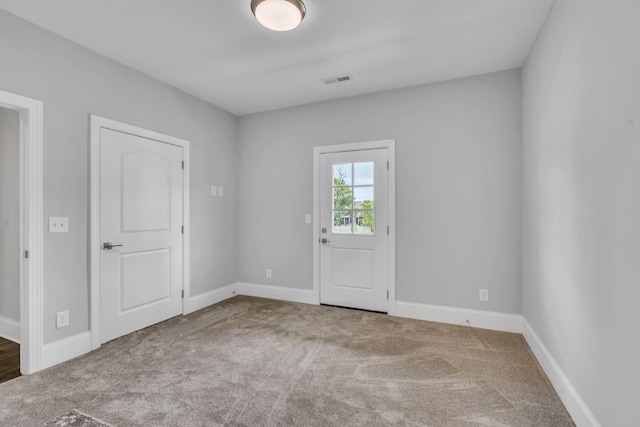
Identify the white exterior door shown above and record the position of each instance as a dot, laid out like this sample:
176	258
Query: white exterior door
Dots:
354	218
141	210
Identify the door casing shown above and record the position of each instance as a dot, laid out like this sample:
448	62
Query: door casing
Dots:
390	145
31	229
98	123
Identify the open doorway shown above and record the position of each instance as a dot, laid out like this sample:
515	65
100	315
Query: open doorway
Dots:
10	257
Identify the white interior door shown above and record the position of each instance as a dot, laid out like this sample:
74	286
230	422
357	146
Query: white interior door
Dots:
141	210
354	218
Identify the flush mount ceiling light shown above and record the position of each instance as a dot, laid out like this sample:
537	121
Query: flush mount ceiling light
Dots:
278	15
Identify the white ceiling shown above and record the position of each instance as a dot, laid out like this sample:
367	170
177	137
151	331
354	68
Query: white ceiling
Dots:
216	50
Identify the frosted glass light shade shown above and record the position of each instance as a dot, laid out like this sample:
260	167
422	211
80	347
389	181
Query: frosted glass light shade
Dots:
278	15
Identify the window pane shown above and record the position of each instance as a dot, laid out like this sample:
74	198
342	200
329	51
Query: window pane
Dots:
363	173
342	198
363	196
342	174
342	221
363	223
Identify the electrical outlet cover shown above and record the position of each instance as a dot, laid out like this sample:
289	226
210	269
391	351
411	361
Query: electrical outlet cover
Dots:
62	319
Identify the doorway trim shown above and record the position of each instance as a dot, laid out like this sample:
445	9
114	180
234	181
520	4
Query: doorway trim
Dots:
31	228
390	145
98	123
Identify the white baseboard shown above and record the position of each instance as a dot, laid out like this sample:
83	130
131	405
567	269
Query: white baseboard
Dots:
206	299
10	329
460	316
66	349
578	409
306	296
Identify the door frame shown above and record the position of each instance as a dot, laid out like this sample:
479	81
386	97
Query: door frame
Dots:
390	145
98	123
31	228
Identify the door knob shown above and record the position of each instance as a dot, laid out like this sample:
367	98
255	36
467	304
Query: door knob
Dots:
108	246
325	241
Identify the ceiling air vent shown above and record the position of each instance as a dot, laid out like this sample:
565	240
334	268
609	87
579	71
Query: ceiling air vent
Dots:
340	79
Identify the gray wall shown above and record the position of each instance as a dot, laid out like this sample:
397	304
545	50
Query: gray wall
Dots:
581	128
10	214
458	187
74	82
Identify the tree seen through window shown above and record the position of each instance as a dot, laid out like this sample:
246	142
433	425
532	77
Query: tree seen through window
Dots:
353	205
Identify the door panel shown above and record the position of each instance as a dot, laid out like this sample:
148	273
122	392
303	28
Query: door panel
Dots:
141	210
146	197
145	278
354	223
352	267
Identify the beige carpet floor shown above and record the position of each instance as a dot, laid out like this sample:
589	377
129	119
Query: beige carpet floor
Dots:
257	362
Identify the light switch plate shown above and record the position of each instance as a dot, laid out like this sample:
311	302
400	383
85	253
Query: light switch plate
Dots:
220	191
58	224
214	190
307	218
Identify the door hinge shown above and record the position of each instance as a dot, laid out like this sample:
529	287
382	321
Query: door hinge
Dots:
182	229
387	230
183	164
387	294
387	164
26	254
183	294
